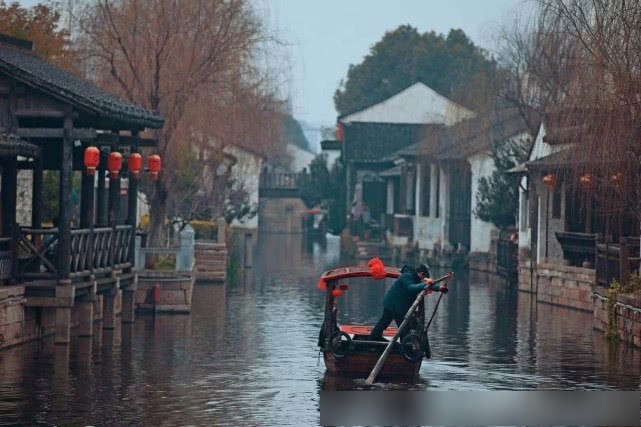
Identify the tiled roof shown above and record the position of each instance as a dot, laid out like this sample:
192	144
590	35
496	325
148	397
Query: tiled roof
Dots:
375	142
11	146
34	71
477	135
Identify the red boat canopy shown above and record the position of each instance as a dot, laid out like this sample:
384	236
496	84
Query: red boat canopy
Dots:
374	269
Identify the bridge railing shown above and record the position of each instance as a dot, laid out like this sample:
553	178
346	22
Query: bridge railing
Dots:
280	181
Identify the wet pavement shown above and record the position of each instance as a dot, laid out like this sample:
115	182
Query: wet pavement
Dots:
247	353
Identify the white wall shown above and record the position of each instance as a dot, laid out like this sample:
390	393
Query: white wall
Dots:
540	149
332	156
482	166
300	158
247	172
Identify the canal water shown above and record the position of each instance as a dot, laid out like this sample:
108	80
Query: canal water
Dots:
247	354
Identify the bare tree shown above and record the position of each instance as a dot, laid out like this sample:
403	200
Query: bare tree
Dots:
175	57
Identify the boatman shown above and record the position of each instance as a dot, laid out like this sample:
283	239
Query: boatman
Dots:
401	296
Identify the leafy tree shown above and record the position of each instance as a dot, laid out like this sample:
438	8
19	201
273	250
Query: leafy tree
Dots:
293	132
326	188
40	24
337	205
316	184
448	64
50	199
498	198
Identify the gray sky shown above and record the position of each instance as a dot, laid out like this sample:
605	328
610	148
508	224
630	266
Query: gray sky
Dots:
325	36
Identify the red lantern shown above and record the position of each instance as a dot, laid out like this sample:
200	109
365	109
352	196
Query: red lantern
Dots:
339	132
115	164
92	159
134	164
337	293
549	180
586	180
154	165
617	179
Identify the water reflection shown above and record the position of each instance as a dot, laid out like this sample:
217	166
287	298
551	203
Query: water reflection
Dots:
247	353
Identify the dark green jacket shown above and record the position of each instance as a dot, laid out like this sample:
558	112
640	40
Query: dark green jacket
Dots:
403	293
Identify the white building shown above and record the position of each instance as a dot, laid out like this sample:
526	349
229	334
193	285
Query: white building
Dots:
246	172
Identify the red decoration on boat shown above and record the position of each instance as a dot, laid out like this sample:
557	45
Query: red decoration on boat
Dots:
114	164
322	284
343	287
92	159
337	293
134	165
154	165
376	268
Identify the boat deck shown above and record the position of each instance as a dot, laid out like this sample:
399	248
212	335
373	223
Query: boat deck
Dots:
354	330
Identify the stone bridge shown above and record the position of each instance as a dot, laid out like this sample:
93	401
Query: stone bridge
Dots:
280	208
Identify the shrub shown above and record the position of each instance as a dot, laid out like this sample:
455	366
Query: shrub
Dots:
205	230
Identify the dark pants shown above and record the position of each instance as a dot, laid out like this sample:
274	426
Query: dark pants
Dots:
384	322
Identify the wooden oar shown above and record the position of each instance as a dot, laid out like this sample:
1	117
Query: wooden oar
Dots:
381	360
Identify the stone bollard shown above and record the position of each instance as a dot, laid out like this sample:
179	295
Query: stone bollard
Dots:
185	256
139	263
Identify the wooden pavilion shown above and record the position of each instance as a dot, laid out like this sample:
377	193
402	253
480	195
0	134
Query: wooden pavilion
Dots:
49	118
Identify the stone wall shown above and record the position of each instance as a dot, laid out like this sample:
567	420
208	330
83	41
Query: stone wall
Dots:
20	323
628	309
211	261
281	215
565	286
527	277
176	291
11	315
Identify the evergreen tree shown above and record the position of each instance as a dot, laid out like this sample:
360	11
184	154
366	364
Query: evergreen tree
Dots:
448	64
497	200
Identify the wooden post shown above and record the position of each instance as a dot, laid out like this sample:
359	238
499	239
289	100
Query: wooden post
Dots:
87	201
624	265
64	215
132	210
608	240
9	195
101	218
36	201
114	210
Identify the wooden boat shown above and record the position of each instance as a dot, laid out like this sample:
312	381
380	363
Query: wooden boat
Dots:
348	349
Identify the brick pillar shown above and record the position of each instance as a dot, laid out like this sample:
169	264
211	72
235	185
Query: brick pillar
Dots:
128	306
85	318
109	310
63	325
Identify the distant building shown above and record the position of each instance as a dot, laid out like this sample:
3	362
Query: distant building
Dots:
373	134
299	158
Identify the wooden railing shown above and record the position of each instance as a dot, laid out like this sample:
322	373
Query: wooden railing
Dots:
616	261
280	180
578	248
93	251
506	257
